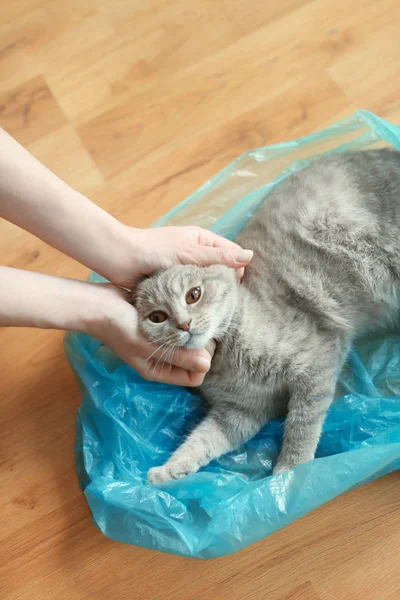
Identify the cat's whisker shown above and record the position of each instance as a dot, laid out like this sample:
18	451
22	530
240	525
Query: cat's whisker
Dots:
161	339
171	358
166	359
157	349
173	352
160	358
156	362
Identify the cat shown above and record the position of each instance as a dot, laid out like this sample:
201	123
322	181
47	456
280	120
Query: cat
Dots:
326	268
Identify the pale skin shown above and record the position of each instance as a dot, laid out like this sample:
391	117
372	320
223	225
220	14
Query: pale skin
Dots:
36	200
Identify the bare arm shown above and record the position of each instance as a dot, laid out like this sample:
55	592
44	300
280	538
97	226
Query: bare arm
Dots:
35	199
37	300
100	310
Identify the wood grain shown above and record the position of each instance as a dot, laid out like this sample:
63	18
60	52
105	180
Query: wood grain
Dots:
137	104
22	109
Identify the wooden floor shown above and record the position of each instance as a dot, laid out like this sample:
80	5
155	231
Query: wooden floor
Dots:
136	103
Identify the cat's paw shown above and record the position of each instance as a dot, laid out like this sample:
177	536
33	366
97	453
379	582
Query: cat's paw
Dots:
169	471
287	463
281	468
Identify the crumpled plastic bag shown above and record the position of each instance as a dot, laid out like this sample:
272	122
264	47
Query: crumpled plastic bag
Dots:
126	425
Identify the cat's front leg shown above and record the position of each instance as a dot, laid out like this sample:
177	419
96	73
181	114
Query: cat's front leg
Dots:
311	388
310	397
225	428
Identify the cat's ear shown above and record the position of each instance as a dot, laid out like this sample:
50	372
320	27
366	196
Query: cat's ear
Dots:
133	296
220	271
135	292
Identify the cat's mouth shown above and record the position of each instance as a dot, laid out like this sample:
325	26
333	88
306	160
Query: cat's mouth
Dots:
194	340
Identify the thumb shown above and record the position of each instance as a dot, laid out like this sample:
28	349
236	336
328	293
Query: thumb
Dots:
208	255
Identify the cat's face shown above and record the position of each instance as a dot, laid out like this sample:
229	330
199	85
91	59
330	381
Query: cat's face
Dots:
186	305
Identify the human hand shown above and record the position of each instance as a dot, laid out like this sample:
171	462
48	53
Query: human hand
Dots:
150	250
116	324
70	222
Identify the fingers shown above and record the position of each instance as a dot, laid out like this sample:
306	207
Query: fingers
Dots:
208	238
208	248
210	347
240	274
197	361
188	369
170	374
208	255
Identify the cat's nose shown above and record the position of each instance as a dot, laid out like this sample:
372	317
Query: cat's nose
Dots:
184	326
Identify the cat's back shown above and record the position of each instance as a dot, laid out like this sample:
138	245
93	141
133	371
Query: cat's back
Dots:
327	233
344	192
326	260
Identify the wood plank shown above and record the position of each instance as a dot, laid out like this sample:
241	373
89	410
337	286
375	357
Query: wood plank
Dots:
160	180
151	43
223	86
29	111
64	153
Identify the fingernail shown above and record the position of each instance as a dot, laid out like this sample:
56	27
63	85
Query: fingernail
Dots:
244	256
202	364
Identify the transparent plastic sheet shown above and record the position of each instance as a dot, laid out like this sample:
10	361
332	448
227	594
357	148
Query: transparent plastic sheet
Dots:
126	425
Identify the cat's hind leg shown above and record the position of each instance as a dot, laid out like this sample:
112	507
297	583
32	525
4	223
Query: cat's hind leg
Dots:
225	428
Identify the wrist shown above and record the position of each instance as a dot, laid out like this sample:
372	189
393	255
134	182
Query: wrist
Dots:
103	243
127	248
71	305
36	300
101	309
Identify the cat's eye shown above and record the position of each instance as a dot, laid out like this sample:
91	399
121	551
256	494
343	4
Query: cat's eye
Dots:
193	295
158	316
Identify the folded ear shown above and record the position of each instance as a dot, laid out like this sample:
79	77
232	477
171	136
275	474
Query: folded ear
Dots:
220	271
136	291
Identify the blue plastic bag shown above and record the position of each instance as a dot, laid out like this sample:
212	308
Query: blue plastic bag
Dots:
126	425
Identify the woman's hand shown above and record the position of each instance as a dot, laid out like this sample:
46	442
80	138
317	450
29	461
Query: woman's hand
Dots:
144	251
34	198
101	310
116	325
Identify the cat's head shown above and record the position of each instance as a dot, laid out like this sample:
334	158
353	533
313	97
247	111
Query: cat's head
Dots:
186	305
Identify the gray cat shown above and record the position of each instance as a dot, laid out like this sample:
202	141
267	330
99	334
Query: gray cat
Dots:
326	268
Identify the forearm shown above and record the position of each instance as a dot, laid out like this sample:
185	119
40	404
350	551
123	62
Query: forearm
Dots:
35	199
35	300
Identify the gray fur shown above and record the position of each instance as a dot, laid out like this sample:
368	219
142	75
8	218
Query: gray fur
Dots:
326	268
